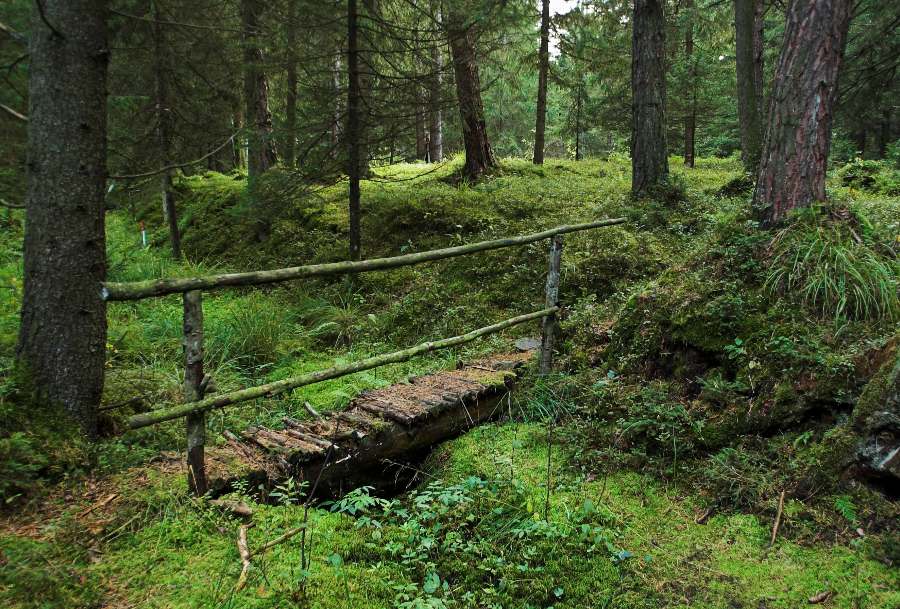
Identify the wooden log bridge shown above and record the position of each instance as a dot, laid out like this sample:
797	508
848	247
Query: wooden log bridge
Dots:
371	440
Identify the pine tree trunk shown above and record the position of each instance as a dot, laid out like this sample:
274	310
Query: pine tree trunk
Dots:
421	132
578	95
352	132
649	160
290	101
261	147
748	59
690	119
164	131
338	114
795	151
62	337
479	156
544	60
435	120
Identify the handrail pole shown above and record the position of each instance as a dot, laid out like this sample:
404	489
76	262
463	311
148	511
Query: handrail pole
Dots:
112	291
221	400
193	391
551	294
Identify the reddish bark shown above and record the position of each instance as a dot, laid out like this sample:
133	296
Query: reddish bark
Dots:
795	150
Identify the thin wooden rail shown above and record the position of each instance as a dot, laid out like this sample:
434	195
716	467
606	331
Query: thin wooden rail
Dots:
160	287
271	389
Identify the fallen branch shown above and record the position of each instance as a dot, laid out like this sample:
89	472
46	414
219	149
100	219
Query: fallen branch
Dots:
821	597
148	174
99	505
244	551
777	522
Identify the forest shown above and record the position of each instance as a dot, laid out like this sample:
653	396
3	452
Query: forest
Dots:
450	304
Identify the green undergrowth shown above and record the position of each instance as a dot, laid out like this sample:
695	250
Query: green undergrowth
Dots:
481	530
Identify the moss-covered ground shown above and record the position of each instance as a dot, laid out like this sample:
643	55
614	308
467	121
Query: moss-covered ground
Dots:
672	331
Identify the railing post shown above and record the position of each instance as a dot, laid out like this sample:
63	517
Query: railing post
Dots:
193	391
549	325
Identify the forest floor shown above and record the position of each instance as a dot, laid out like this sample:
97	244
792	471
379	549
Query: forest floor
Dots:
523	513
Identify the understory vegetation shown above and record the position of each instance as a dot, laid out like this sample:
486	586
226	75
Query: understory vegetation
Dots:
708	385
706	368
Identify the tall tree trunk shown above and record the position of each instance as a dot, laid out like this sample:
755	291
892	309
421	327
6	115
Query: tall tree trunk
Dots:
479	156
164	130
798	137
435	120
62	337
690	119
748	55
579	92
544	66
338	114
290	101
649	160
238	149
352	133
884	132
367	47
261	147
421	131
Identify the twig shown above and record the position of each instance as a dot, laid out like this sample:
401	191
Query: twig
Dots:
311	410
40	8
13	34
821	597
135	401
148	174
13	113
777	522
98	505
9	205
244	551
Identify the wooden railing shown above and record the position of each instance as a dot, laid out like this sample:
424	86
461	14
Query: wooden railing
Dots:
196	406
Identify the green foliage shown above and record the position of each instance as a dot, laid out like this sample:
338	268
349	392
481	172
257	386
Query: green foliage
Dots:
877	177
836	267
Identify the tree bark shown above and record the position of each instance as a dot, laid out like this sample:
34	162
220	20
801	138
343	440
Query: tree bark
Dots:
543	68
164	130
690	119
795	151
353	128
290	101
435	120
62	337
261	154
649	160
479	155
748	60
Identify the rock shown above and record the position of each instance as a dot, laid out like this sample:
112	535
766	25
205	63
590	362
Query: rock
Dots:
528	344
876	419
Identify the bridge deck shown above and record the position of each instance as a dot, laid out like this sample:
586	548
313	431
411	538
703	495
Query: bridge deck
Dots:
366	443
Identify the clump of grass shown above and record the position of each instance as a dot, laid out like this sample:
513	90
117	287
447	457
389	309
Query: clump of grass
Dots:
248	331
833	262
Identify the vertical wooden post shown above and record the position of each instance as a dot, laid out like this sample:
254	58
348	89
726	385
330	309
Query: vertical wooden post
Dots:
549	325
193	390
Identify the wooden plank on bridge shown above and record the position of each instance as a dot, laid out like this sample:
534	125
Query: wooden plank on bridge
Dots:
361	444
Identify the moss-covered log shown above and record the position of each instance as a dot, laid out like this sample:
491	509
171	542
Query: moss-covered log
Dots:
161	287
